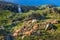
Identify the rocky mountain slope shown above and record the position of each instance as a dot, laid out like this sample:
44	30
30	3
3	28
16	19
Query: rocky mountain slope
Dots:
35	23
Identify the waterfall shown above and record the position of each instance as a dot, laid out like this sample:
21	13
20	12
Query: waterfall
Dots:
19	9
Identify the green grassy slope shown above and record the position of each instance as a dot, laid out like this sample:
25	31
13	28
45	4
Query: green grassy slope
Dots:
13	21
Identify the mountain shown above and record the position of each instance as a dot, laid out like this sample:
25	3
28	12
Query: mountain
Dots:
8	6
31	25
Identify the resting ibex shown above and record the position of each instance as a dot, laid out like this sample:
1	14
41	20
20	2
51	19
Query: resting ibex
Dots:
28	32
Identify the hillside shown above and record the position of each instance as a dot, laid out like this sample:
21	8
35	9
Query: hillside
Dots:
37	23
14	7
8	6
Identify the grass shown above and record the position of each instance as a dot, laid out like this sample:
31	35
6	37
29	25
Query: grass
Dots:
6	18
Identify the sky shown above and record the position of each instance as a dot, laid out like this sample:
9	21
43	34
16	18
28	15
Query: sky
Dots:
35	2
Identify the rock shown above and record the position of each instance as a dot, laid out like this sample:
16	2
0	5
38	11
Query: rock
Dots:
49	26
23	37
1	27
49	6
34	20
54	10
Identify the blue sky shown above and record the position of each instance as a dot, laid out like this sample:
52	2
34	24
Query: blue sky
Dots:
35	2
